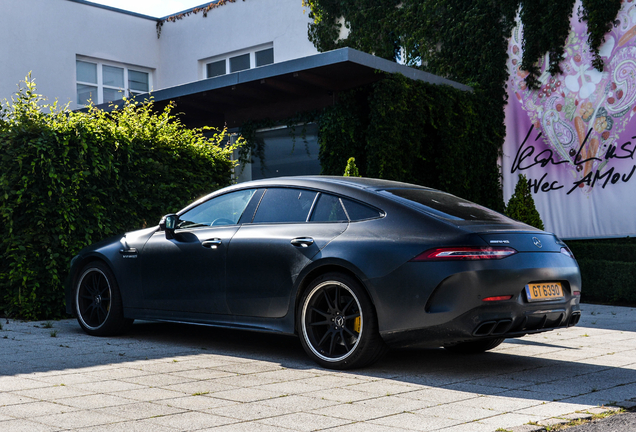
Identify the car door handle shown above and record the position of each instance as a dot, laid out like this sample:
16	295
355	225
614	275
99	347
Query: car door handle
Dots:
212	244
302	241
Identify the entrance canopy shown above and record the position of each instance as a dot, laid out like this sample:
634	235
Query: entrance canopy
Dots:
280	90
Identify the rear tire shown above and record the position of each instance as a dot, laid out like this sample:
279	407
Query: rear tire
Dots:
338	324
475	347
98	303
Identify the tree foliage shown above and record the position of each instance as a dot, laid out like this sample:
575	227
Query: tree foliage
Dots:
68	179
351	170
521	205
463	40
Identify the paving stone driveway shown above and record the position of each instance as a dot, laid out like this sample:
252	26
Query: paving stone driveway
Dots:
169	377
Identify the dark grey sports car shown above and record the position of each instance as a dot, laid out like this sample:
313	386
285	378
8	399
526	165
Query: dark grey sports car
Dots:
350	265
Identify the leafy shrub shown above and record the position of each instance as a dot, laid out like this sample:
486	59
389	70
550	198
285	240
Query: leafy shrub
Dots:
351	170
521	205
68	179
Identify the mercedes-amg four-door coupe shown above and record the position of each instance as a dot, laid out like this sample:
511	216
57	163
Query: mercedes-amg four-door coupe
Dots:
350	265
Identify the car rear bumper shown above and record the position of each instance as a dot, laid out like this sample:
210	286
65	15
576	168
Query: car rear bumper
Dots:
445	303
506	320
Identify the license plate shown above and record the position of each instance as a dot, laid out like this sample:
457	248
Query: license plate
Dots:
544	291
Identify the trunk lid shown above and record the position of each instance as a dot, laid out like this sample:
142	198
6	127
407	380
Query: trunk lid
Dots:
528	241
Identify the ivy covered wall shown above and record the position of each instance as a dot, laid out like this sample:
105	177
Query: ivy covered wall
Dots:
416	132
464	40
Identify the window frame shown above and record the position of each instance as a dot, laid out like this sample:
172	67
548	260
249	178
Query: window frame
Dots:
226	58
100	86
263	191
286	188
204	206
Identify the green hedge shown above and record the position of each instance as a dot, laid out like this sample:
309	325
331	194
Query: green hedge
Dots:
623	250
68	179
608	270
611	282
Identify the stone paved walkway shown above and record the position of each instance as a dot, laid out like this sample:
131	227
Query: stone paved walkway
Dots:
168	377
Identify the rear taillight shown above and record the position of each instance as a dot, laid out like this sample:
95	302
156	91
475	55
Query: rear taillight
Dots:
465	253
566	251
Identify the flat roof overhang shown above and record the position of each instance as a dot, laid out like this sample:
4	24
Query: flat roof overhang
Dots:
279	91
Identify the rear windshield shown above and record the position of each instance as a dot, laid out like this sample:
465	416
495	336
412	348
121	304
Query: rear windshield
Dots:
446	205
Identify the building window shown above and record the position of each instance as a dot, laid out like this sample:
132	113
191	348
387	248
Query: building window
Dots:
138	82
99	82
215	68
86	82
238	61
264	57
286	152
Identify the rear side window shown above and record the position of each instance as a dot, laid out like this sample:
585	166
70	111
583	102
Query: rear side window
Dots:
284	205
329	209
357	211
447	206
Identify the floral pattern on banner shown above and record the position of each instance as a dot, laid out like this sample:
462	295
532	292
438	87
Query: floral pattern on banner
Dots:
583	113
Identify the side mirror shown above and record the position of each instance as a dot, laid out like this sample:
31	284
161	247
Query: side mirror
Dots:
168	224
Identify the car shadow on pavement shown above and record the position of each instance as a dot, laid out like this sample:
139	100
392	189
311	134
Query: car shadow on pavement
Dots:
558	369
522	341
521	368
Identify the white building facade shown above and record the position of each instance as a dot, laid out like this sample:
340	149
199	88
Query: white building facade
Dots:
79	51
242	61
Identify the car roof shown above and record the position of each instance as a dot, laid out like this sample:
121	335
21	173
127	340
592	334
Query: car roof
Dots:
361	188
321	180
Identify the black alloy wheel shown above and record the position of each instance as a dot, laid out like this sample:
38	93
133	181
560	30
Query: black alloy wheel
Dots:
98	303
338	324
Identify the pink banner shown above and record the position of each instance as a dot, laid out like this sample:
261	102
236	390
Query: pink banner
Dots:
575	137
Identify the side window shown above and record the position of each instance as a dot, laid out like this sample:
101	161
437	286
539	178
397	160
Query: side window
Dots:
222	210
357	211
284	205
329	209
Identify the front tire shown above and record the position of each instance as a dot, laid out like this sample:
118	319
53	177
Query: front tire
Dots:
98	303
338	324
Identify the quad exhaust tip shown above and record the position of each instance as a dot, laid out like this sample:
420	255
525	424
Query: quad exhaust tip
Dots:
574	319
493	328
503	326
